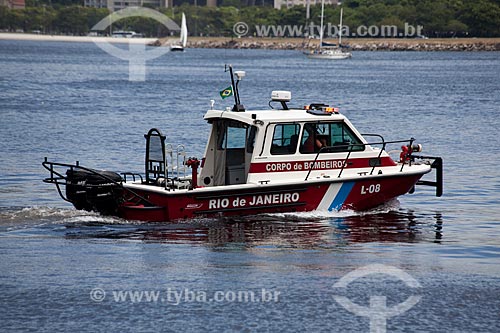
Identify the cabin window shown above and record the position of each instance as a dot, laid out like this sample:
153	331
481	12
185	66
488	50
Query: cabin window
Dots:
285	139
342	138
236	137
251	134
232	135
338	136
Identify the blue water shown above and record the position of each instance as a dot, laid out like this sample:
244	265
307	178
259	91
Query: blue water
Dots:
72	101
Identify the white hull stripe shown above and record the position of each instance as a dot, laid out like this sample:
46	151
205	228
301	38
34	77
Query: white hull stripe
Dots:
341	196
335	196
329	196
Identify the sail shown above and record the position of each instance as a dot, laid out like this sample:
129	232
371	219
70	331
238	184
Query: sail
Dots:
340	26
321	25
184	31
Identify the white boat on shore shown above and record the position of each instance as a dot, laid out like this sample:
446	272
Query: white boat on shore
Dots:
326	50
126	34
183	37
333	54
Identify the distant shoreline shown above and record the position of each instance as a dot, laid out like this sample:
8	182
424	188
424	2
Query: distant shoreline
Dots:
361	44
78	39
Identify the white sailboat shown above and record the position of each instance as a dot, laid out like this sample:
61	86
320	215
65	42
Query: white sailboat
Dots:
183	38
333	52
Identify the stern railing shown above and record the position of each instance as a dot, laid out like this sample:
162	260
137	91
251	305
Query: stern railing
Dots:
57	178
437	162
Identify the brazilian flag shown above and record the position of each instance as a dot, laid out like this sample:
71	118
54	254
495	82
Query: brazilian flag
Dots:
228	92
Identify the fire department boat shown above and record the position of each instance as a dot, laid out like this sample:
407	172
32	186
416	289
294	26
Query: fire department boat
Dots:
266	161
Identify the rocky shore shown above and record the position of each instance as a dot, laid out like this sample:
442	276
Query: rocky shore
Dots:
358	44
452	44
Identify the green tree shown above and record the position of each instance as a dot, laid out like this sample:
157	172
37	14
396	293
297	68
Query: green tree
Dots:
15	19
72	20
438	17
482	17
94	15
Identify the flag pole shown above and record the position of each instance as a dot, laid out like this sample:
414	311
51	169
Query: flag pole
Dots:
237	103
235	91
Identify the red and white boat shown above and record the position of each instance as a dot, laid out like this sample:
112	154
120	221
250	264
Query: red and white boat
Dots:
262	161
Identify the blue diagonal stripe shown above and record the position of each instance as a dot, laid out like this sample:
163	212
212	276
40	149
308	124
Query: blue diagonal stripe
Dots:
341	196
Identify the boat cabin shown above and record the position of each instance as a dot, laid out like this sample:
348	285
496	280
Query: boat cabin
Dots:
279	145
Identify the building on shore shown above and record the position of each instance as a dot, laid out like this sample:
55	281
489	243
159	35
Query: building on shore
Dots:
114	5
278	4
96	3
13	4
121	4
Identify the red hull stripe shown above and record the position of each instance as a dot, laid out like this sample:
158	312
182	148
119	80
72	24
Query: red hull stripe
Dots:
290	166
357	195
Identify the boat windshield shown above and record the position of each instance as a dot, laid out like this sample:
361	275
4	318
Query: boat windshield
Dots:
236	135
285	139
336	135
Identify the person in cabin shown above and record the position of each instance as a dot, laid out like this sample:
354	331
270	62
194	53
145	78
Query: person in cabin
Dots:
313	142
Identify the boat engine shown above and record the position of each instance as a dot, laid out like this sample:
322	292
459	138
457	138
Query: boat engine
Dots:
94	190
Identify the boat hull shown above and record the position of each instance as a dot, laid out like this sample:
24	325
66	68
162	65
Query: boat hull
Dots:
336	56
324	196
176	48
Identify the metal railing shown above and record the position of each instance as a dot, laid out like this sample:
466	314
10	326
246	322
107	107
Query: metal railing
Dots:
436	164
174	158
350	148
58	179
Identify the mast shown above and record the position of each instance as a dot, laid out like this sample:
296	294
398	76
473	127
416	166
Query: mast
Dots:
309	32
321	31
308	11
340	27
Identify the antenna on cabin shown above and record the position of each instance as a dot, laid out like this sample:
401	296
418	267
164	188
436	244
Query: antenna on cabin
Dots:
281	96
238	107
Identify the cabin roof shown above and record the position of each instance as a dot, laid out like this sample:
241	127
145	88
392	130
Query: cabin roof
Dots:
286	116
